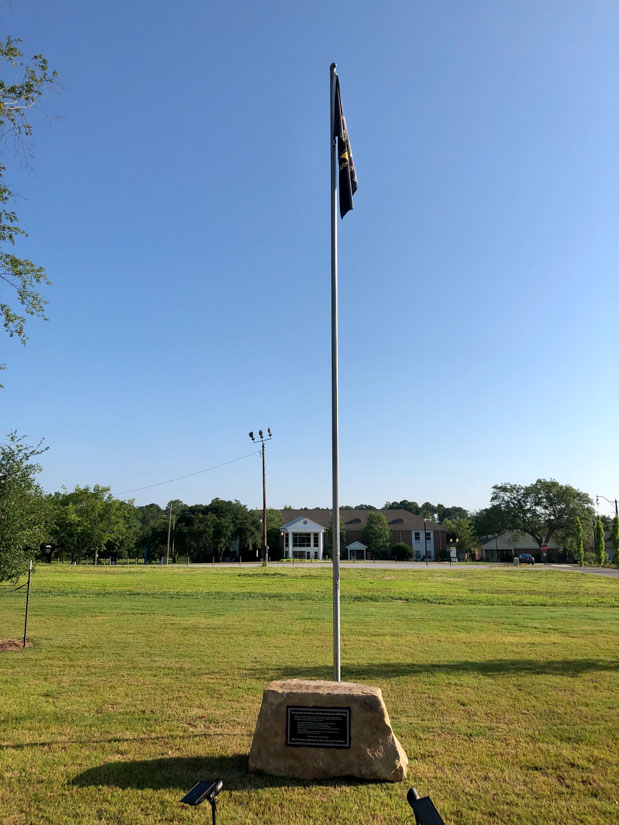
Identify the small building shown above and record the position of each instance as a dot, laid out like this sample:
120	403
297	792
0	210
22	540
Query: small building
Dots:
356	550
505	546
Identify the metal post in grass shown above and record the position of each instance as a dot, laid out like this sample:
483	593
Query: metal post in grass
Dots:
27	602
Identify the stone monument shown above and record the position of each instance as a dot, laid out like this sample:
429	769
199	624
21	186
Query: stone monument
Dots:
321	730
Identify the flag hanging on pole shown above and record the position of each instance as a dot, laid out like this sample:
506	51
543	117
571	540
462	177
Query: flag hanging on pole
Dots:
348	176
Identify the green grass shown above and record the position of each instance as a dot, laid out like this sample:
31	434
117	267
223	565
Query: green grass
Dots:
501	686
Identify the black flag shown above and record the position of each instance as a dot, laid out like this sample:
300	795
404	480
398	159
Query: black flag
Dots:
348	176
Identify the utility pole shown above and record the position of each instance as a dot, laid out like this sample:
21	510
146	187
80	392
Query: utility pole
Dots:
261	440
167	552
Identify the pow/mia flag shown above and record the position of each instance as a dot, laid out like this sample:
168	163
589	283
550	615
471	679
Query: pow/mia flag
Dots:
348	176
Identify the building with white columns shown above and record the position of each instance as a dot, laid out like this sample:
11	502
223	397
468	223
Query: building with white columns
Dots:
305	534
303	539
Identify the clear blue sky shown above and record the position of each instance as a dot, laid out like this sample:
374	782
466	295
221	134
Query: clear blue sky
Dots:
180	204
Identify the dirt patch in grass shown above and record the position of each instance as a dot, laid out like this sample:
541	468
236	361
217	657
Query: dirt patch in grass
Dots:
12	644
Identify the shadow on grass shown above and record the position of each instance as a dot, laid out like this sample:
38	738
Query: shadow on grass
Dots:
491	667
183	773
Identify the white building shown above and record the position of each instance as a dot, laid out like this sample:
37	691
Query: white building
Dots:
357	550
303	539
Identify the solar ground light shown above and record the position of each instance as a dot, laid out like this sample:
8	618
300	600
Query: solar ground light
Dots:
424	810
208	791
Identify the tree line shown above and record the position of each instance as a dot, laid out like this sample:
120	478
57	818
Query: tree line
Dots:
89	523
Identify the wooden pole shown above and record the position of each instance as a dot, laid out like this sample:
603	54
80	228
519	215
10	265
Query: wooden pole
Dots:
167	552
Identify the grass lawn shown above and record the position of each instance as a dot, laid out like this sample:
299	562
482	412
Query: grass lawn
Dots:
501	686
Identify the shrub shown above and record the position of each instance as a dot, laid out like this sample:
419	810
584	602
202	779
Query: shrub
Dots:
401	551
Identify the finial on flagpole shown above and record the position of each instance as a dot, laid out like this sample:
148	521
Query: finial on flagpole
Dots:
333	67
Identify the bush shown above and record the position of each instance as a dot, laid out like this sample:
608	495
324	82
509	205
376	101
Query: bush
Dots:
401	551
443	555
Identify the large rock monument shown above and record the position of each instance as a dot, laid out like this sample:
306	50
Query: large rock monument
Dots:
321	730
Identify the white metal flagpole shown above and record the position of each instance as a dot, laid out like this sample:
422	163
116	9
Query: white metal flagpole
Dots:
334	392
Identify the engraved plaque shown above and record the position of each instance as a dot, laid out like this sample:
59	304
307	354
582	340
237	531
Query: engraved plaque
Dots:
314	727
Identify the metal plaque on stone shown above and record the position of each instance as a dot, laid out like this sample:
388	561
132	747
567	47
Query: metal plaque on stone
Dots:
315	727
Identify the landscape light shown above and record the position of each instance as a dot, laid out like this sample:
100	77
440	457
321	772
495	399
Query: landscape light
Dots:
424	810
208	791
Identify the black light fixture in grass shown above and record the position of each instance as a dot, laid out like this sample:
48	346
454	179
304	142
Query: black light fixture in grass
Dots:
424	810
205	791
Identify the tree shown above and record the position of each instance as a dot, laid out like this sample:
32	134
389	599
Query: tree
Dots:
544	509
207	531
84	521
451	513
600	547
489	521
580	548
23	506
402	551
411	506
274	522
18	96
173	510
614	537
462	531
376	535
151	518
125	527
194	532
428	510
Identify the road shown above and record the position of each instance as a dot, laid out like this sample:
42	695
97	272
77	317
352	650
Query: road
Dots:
417	566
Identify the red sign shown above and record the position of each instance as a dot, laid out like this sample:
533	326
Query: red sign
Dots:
544	548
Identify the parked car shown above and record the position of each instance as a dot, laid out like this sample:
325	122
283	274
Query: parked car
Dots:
526	558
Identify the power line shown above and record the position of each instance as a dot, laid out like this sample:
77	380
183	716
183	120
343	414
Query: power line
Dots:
179	478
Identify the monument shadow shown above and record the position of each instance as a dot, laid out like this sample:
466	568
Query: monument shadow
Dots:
183	772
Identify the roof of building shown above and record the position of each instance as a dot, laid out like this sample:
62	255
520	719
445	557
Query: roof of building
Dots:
357	519
302	524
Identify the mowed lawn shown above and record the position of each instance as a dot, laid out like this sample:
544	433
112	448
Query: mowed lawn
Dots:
501	686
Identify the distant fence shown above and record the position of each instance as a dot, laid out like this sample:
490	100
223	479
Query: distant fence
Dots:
129	562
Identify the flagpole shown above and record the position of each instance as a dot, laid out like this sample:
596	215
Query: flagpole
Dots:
334	394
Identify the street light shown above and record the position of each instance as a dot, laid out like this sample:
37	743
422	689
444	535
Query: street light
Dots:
614	503
262	438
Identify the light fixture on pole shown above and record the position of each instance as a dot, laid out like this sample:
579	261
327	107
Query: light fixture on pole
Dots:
262	438
613	503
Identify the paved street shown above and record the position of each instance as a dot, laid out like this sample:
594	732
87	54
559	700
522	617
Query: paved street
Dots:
611	572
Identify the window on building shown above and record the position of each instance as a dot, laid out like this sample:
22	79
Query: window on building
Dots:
417	536
315	539
301	539
428	536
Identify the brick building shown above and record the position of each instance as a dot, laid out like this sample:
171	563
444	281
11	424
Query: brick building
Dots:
303	534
